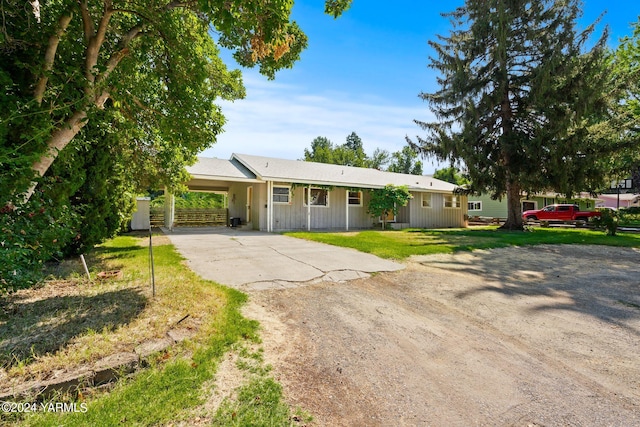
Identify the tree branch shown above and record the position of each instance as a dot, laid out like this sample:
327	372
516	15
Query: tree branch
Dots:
115	59
50	55
95	43
59	139
87	23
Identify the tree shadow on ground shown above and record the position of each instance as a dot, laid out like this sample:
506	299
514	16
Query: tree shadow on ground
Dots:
595	281
29	329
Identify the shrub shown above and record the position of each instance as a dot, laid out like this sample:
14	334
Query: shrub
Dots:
32	234
608	220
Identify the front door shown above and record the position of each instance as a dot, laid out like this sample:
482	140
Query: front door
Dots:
249	201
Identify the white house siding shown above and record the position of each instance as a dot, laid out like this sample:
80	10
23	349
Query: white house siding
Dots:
293	216
436	216
404	213
238	200
359	218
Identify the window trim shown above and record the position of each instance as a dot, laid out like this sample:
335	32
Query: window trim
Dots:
273	194
452	198
479	202
360	201
304	199
422	200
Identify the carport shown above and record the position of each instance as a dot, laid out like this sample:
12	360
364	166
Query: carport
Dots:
218	176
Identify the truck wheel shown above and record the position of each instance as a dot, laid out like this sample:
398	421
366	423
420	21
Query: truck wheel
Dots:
532	218
581	222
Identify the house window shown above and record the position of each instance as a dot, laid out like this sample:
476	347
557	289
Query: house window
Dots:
426	200
319	197
474	206
281	195
355	198
451	201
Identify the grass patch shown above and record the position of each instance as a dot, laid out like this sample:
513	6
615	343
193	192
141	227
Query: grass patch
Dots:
178	379
404	243
259	404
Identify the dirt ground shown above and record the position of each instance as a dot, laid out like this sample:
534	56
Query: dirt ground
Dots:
536	336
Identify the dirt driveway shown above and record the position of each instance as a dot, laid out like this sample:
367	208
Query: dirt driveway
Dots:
541	336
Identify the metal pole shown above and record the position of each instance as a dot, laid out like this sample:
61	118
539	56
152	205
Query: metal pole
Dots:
84	264
153	276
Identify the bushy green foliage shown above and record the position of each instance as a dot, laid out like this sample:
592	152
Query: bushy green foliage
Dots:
387	200
608	220
192	200
85	198
629	216
32	234
405	161
451	174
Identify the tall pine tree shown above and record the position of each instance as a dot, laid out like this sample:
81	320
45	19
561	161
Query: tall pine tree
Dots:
520	97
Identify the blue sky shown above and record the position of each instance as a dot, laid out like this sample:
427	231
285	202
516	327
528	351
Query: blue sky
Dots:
361	73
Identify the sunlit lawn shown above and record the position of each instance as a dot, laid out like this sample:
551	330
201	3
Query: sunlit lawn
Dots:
404	243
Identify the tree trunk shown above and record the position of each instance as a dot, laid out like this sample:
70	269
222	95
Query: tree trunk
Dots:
57	142
514	209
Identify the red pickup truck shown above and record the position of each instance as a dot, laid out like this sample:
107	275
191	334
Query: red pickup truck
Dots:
559	213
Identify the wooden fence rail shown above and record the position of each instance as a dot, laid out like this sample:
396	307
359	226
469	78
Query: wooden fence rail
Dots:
191	217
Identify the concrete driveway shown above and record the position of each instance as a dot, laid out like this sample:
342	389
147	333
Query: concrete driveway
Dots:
253	260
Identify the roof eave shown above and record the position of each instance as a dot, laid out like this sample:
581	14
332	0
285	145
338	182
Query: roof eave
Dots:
223	178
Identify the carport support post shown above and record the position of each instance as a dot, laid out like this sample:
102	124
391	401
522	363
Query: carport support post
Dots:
169	209
308	208
269	203
346	193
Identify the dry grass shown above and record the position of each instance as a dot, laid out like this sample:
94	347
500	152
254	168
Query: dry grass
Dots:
67	321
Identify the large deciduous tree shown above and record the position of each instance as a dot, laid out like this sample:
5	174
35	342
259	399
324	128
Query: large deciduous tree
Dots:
154	62
405	161
627	69
103	98
351	153
522	102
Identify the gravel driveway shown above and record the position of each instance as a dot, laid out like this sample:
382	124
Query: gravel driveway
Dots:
538	336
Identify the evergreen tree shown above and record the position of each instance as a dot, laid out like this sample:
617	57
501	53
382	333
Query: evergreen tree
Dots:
521	99
451	174
354	147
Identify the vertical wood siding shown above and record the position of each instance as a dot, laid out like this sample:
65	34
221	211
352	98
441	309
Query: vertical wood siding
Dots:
293	216
333	217
437	216
238	200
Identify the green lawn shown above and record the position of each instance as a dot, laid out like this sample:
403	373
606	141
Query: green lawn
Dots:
404	243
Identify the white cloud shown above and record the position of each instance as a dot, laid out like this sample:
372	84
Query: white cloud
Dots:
280	120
